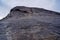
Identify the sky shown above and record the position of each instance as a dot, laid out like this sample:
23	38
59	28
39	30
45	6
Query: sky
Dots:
6	5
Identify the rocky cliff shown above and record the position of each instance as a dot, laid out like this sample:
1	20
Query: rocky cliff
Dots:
29	23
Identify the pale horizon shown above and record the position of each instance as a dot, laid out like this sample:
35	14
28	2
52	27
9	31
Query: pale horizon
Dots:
6	5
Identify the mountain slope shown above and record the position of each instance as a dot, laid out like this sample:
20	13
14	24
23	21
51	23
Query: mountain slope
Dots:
29	23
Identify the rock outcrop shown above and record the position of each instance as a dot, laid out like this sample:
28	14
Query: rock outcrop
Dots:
29	23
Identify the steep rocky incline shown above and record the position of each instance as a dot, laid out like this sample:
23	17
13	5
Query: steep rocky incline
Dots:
29	23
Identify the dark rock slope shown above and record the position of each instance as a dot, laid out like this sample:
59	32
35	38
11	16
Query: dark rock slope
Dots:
29	23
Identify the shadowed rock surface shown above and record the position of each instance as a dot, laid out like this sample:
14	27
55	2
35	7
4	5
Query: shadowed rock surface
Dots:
29	23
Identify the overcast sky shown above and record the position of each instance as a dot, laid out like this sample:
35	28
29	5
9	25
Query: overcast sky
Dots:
6	5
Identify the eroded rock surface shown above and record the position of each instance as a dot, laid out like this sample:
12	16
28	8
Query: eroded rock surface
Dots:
28	23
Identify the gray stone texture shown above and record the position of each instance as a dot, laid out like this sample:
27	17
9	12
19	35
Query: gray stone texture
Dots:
29	23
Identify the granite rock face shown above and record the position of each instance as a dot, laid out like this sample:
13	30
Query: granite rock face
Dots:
29	23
